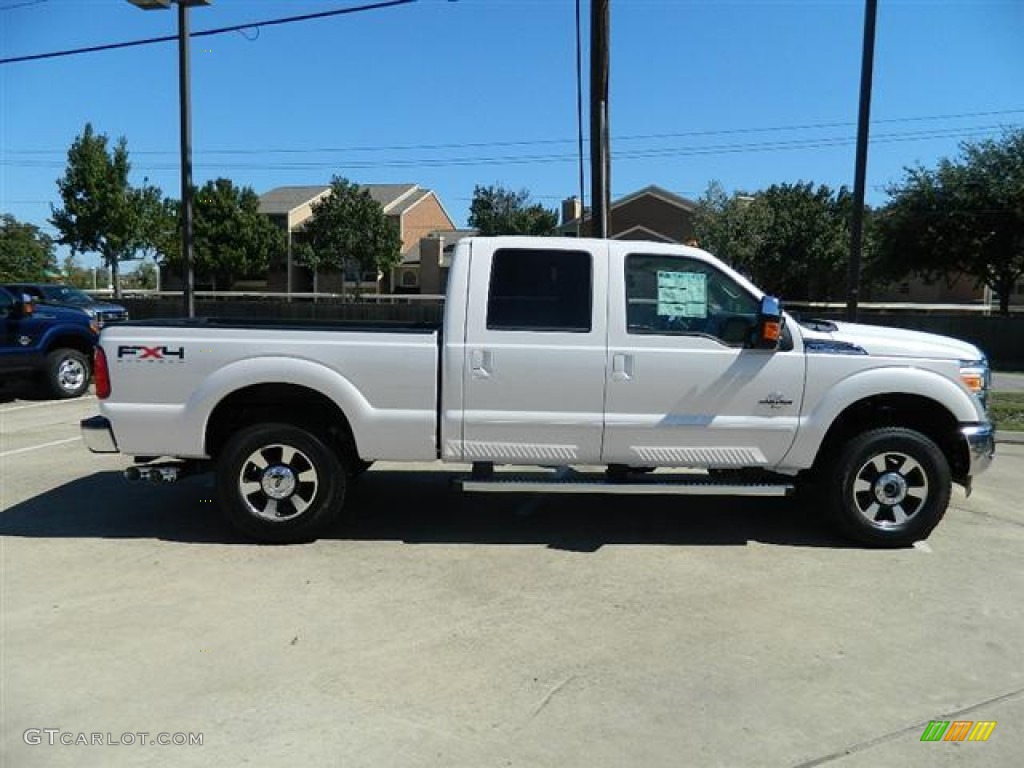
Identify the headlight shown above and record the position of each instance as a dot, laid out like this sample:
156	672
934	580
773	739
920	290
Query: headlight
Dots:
977	377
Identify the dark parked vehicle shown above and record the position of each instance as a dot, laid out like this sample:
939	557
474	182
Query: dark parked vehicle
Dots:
67	296
52	344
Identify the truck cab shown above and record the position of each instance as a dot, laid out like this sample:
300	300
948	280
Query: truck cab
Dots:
608	352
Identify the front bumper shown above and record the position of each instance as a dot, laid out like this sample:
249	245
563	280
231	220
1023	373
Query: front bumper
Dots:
981	446
97	434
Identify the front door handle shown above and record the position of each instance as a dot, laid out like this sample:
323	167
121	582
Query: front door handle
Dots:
480	363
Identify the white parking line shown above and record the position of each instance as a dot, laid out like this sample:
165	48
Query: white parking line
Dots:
48	403
16	451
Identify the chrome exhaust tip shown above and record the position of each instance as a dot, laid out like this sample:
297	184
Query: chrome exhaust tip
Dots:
157	475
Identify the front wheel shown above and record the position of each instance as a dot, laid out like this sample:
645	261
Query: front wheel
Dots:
889	487
279	483
67	373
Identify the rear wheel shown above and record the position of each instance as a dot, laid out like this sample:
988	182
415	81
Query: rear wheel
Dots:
889	487
67	373
279	483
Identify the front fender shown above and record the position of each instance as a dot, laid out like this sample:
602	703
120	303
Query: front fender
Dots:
55	334
818	417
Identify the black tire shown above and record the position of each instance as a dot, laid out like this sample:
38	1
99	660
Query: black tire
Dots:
888	487
67	373
297	493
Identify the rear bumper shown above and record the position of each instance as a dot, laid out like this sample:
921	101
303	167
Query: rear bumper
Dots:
981	446
97	434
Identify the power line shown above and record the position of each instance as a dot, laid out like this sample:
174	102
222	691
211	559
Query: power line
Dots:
824	142
207	32
551	142
25	4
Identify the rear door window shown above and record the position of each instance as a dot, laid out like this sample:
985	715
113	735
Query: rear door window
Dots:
540	290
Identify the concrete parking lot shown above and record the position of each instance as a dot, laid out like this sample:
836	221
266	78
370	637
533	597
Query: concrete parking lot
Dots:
437	629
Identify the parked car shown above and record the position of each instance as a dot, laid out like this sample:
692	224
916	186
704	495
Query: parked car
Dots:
54	345
68	296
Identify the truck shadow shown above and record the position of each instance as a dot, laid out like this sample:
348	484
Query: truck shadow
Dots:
424	507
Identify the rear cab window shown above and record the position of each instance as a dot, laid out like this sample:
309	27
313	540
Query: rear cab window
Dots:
540	290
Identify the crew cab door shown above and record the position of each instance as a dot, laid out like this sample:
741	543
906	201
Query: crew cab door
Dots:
684	388
535	352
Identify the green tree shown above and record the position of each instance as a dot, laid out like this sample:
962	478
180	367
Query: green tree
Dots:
965	216
144	276
306	256
499	211
102	212
75	274
231	239
350	232
791	239
26	252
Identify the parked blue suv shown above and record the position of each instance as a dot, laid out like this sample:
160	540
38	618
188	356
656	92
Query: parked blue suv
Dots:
66	296
52	344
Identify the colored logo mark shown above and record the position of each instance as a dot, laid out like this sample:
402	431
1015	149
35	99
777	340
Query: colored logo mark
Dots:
958	730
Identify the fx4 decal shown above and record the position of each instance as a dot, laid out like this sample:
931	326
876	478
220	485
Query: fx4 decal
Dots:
158	353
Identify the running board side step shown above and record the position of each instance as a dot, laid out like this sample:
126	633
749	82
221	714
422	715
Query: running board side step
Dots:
653	485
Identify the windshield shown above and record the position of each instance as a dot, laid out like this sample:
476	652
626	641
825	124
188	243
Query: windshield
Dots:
66	295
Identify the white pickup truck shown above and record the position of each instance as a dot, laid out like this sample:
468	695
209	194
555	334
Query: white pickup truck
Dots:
654	365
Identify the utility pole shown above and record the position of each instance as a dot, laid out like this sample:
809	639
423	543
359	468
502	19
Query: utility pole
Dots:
185	114
600	154
184	107
860	173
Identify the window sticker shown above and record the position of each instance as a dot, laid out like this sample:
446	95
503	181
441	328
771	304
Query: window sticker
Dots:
682	294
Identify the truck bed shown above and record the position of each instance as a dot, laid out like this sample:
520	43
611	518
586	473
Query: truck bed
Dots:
169	376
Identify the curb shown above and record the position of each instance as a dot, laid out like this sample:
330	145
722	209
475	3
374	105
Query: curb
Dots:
1016	438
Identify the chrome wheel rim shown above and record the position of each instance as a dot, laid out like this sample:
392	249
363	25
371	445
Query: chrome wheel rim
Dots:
278	482
890	489
70	374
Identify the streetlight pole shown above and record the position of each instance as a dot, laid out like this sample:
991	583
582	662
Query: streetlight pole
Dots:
185	112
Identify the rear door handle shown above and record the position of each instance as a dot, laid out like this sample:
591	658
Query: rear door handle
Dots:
480	363
622	366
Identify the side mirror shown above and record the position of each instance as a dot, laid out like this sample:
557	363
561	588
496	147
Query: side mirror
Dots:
768	331
27	304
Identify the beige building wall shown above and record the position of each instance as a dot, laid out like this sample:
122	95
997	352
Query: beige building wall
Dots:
298	215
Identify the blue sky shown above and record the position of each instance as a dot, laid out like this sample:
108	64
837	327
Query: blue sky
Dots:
453	94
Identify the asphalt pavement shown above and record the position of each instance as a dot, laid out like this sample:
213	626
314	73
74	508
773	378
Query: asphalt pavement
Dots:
441	629
1007	382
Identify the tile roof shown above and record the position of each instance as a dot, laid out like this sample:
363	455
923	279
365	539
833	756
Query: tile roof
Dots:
388	194
391	197
284	199
656	191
